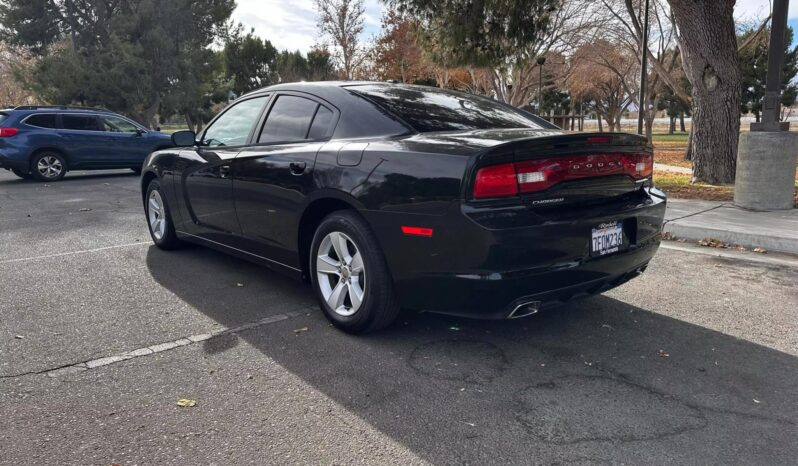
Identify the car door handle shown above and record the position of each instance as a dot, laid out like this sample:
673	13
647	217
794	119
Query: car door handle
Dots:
224	171
297	168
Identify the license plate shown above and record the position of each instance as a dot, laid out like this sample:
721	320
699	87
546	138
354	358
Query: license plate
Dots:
607	238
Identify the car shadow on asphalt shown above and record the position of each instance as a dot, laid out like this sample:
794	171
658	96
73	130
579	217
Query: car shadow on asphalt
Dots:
594	381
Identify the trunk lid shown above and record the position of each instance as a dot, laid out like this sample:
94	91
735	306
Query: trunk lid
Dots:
556	169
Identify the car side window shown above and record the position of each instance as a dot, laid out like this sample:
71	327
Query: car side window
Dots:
44	120
289	120
235	124
321	123
80	122
114	124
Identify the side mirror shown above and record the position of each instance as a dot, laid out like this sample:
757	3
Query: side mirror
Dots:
184	138
139	132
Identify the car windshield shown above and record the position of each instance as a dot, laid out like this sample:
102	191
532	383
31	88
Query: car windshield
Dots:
429	109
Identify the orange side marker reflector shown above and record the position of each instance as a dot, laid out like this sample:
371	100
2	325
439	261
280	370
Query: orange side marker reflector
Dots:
417	231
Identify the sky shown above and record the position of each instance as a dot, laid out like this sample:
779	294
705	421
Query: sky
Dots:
292	24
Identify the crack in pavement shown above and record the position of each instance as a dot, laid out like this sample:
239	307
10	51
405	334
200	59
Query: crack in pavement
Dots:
73	368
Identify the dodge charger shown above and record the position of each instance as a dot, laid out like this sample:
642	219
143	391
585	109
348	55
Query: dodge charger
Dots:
389	196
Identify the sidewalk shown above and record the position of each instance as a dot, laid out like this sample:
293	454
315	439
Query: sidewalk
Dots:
696	220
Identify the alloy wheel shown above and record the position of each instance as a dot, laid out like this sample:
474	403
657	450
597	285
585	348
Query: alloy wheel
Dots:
49	166
156	214
340	274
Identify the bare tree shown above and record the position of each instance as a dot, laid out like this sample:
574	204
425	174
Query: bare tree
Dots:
342	21
597	79
13	63
575	23
625	28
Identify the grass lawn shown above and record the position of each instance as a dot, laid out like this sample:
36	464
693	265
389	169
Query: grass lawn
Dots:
679	139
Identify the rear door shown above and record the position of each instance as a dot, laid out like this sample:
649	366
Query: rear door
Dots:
274	176
204	172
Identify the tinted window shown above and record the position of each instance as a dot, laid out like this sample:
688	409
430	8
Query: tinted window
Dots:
42	121
288	120
117	125
234	126
428	109
321	123
80	122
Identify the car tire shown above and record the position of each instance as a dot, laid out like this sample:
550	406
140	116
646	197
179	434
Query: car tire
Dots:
350	275
159	218
48	166
21	174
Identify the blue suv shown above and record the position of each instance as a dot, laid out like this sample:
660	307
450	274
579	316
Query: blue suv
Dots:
43	143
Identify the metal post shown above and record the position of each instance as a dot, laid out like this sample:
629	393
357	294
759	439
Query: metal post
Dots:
541	61
643	74
771	105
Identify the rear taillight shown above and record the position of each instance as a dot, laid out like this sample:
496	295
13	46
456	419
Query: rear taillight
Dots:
8	132
538	175
496	181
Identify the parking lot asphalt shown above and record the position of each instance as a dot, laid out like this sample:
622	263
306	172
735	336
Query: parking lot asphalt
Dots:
695	362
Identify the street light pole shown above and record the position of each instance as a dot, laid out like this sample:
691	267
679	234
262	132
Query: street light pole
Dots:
771	104
643	74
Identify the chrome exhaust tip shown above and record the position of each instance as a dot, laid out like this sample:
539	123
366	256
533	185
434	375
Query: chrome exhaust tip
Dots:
525	309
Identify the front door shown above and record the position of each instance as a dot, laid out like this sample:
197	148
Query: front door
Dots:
205	172
88	146
130	147
274	176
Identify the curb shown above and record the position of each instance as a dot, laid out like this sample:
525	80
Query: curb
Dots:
749	240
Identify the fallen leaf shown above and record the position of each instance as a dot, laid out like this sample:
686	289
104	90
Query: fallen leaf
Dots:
239	284
668	236
186	403
664	354
19	337
756	401
760	250
301	330
85	209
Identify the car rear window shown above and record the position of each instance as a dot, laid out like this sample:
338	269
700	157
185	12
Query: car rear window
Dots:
429	109
3	116
289	119
45	120
80	122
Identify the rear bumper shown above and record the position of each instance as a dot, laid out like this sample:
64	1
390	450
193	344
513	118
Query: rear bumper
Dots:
9	163
502	295
486	267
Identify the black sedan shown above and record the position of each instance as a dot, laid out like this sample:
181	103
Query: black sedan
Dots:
387	196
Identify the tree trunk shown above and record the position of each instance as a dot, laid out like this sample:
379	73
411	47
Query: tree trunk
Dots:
672	125
689	154
709	54
681	122
598	118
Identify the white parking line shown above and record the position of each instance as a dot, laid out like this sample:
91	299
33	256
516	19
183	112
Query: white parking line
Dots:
160	347
84	251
